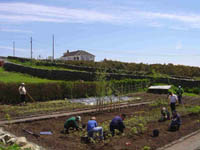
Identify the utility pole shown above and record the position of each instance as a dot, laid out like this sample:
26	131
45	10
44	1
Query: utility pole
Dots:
31	48
13	48
53	48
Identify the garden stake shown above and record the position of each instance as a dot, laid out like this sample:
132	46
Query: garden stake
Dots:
30	97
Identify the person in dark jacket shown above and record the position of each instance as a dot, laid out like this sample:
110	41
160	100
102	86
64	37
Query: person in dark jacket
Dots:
73	123
93	127
165	115
179	92
175	123
117	123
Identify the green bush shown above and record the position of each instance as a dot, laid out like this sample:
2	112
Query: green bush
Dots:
60	90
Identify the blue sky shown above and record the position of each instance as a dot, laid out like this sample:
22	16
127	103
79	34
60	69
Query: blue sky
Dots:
148	31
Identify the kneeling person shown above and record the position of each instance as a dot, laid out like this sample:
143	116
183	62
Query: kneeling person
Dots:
165	115
92	127
117	123
176	122
73	123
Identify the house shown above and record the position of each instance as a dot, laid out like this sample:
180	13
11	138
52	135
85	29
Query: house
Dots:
78	55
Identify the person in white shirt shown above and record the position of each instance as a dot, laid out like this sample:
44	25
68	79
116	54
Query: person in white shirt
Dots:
173	99
22	92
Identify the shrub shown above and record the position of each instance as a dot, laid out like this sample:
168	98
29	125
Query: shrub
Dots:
59	90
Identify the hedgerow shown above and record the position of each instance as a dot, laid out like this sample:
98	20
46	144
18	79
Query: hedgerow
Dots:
59	90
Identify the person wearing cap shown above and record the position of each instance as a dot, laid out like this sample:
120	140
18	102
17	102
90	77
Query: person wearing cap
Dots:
179	93
165	115
22	92
73	123
176	122
92	127
117	123
173	99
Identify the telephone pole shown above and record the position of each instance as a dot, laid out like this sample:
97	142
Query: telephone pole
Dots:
53	48
31	48
13	48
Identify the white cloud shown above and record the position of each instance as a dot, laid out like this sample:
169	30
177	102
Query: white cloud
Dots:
14	30
25	12
5	48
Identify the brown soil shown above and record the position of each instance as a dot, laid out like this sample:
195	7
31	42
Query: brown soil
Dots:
145	97
59	141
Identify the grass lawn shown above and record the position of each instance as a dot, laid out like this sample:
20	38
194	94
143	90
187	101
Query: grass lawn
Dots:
34	65
9	77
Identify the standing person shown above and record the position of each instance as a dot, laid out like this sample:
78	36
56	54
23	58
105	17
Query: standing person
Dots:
92	127
117	123
22	92
173	99
179	92
165	115
175	123
73	123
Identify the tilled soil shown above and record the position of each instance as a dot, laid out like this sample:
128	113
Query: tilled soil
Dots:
145	97
59	141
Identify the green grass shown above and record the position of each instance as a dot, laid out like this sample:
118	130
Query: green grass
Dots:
34	65
191	94
12	77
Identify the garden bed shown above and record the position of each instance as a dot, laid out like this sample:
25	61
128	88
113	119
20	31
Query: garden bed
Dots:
146	114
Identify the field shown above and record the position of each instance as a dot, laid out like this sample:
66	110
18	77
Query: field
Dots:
12	77
140	122
49	107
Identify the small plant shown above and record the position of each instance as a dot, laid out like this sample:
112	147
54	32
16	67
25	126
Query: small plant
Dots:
146	148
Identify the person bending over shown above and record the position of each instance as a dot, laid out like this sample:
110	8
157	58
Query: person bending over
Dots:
73	123
117	123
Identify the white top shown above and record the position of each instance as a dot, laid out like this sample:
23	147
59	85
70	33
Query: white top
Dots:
173	98
22	90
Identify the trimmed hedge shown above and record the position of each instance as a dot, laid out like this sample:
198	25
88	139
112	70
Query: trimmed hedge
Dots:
53	91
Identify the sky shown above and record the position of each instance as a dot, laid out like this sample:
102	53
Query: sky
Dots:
140	31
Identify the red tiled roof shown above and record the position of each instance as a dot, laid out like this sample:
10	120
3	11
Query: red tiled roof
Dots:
78	52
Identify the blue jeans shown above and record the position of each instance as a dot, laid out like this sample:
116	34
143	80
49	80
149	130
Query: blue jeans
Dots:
96	129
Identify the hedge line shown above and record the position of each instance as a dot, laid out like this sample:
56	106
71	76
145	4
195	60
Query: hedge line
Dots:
53	91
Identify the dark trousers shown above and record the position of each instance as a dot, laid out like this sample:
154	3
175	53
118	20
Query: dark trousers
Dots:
173	106
180	99
174	127
71	125
23	98
113	127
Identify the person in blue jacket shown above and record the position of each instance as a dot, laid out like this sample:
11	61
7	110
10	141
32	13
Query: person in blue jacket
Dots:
92	127
117	123
175	123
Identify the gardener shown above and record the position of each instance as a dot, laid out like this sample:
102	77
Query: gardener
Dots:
173	99
117	123
165	115
175	123
22	92
92	127
73	123
179	92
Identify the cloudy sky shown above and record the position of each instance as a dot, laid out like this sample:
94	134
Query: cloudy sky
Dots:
148	31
